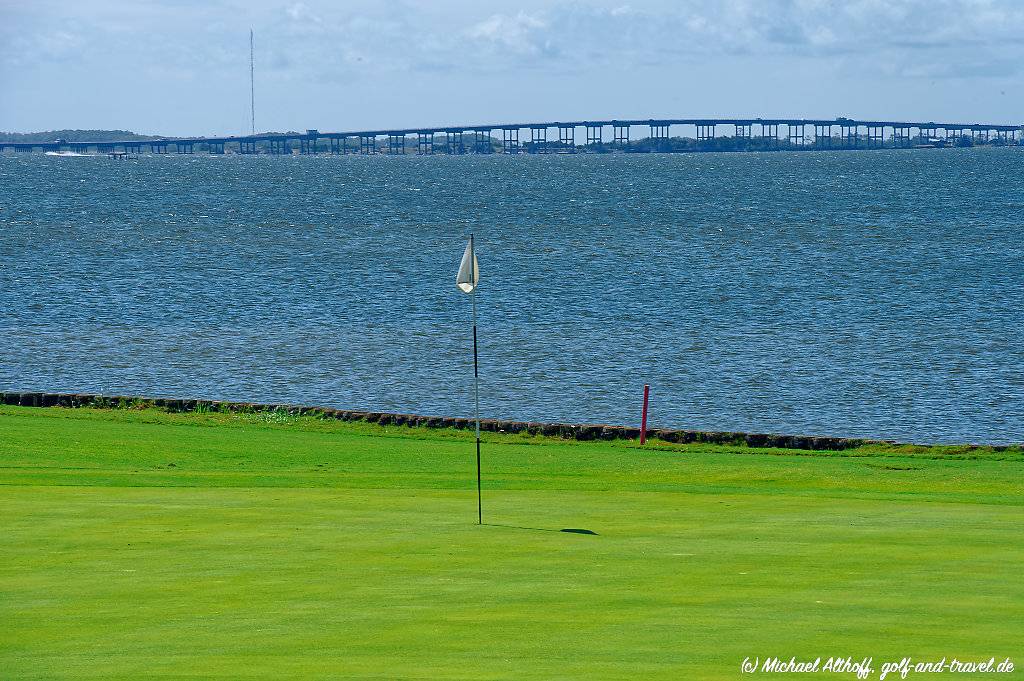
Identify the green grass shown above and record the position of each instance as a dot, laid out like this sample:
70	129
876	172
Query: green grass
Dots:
136	543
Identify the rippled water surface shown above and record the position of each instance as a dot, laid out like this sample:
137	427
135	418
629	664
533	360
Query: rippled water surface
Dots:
850	293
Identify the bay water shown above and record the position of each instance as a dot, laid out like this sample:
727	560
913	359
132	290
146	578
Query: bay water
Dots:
854	293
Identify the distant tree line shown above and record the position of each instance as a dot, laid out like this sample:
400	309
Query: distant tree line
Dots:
76	136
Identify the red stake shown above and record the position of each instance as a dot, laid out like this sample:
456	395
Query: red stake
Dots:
643	419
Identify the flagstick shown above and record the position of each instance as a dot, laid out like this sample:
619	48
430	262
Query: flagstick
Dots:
476	387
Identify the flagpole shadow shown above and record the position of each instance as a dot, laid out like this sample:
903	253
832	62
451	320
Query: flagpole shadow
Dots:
570	530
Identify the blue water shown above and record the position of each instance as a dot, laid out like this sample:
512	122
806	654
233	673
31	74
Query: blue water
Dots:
874	293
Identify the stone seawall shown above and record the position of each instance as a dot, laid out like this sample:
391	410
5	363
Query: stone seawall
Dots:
571	431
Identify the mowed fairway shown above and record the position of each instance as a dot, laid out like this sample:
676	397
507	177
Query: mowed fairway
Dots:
139	544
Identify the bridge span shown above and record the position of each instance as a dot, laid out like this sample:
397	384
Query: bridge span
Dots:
747	134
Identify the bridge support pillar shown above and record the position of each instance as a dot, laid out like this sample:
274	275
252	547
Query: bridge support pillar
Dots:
482	142
247	147
367	144
822	135
184	147
795	132
705	132
770	135
566	139
453	142
876	135
595	137
425	143
659	135
538	141
158	147
901	136
510	140
742	132
396	144
849	135
620	134
216	148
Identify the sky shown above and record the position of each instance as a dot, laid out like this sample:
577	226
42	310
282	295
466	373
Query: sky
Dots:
182	68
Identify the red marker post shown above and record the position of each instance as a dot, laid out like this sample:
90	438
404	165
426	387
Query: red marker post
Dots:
643	418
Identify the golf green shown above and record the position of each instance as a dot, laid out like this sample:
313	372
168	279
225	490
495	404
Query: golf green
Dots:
142	544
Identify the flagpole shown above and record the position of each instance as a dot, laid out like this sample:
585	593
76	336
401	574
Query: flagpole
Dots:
476	385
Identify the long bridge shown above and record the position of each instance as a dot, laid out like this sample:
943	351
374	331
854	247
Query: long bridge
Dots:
600	135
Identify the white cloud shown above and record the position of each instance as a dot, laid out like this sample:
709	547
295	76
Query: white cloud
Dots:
317	37
374	51
522	34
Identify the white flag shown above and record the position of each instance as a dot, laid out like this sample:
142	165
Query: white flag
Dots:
468	280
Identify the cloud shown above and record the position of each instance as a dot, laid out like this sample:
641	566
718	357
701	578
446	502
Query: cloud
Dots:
54	46
368	62
314	40
300	12
501	28
522	40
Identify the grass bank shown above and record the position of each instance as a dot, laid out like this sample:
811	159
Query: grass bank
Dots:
143	543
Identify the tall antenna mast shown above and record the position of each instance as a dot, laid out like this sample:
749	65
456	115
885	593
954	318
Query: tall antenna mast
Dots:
252	83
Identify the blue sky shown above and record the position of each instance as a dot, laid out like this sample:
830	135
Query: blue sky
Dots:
182	67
